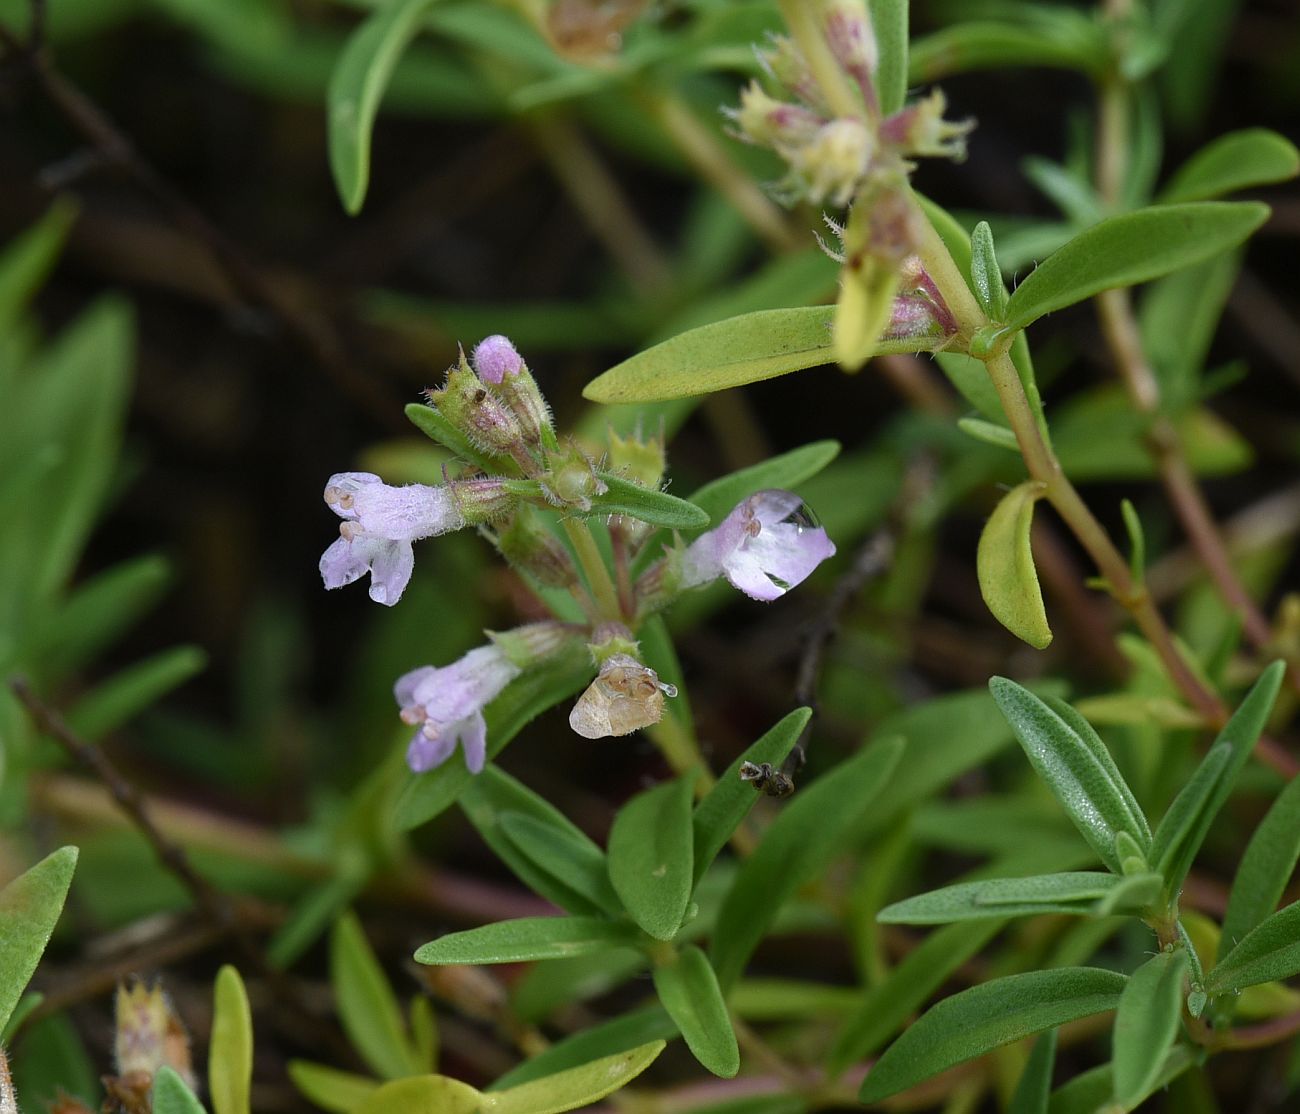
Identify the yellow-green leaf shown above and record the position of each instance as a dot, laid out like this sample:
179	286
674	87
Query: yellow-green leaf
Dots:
230	1054
1005	565
423	1094
568	1090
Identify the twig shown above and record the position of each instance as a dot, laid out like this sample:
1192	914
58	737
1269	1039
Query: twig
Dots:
311	332
210	901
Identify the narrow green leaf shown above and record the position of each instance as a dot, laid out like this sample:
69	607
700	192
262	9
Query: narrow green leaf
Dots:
1089	1092
1236	161
29	258
730	353
889	22
1265	868
423	1094
580	1086
1131	248
808	833
1150	1010
171	1096
576	862
1004	563
887	1005
984	1017
1137	559
29	909
540	845
339	1092
529	938
651	856
1270	951
689	991
729	801
655	507
1072	892
988	44
134	690
1076	766
1133	894
719	497
525	698
367	1005
230	1051
618	1035
991	433
985	275
1035	1086
1184	827
356	88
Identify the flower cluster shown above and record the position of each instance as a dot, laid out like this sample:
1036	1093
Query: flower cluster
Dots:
529	495
841	150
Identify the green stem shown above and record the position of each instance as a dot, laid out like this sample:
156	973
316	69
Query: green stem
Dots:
594	569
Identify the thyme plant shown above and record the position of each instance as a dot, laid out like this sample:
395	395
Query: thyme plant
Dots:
1104	926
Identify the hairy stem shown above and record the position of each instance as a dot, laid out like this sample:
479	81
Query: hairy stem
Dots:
594	569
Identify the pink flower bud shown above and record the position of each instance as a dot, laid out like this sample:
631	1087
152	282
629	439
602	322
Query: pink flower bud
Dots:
496	357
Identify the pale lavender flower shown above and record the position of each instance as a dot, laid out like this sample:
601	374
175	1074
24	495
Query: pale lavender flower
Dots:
495	357
765	546
379	524
448	704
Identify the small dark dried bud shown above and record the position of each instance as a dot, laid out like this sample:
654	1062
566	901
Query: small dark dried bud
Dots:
767	779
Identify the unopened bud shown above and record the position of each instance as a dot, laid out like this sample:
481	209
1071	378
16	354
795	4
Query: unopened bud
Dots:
834	163
767	122
473	408
920	129
786	63
149	1036
852	40
533	643
495	358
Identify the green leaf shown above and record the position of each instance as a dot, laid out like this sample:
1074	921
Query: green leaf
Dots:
525	698
887	1005
991	433
529	938
1150	1011
985	275
1089	1092
1134	894
423	1094
29	258
431	422
1035	1086
367	1005
29	909
1073	892
689	991
1236	161
230	1050
1067	754
580	1086
1269	951
986	44
356	88
618	1035
987	1016
651	856
1265	868
729	801
1131	248
809	832
730	353
540	845
576	862
719	497
1185	825
889	23
171	1096
339	1092
134	690
655	507
1004	562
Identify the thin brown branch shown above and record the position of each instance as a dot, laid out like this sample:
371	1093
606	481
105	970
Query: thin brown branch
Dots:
310	331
